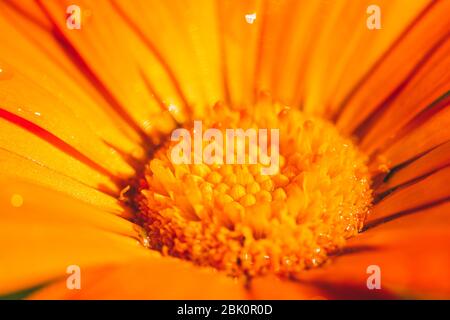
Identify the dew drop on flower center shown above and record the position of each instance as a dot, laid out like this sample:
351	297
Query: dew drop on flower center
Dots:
239	221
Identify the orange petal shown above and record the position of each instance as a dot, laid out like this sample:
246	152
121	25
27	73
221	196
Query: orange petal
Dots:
43	100
428	82
421	137
343	38
35	253
397	66
188	49
289	41
433	161
58	74
412	253
30	10
426	192
240	43
17	140
150	278
16	167
23	202
274	288
119	72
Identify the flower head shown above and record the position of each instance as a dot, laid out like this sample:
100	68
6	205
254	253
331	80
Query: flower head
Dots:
90	93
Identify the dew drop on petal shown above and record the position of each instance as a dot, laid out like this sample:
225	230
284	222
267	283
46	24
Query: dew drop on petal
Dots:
16	200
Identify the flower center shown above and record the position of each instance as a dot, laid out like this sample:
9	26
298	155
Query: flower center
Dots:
235	219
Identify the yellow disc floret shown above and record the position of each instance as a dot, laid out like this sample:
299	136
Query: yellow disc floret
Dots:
232	217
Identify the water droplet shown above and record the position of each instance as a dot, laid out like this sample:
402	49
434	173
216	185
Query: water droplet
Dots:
173	108
145	242
16	200
250	18
287	261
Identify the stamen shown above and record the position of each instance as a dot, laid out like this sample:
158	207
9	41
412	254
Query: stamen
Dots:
237	220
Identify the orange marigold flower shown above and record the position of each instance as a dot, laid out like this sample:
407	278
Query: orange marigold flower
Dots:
90	93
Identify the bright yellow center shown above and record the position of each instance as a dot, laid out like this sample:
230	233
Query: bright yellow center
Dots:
237	220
